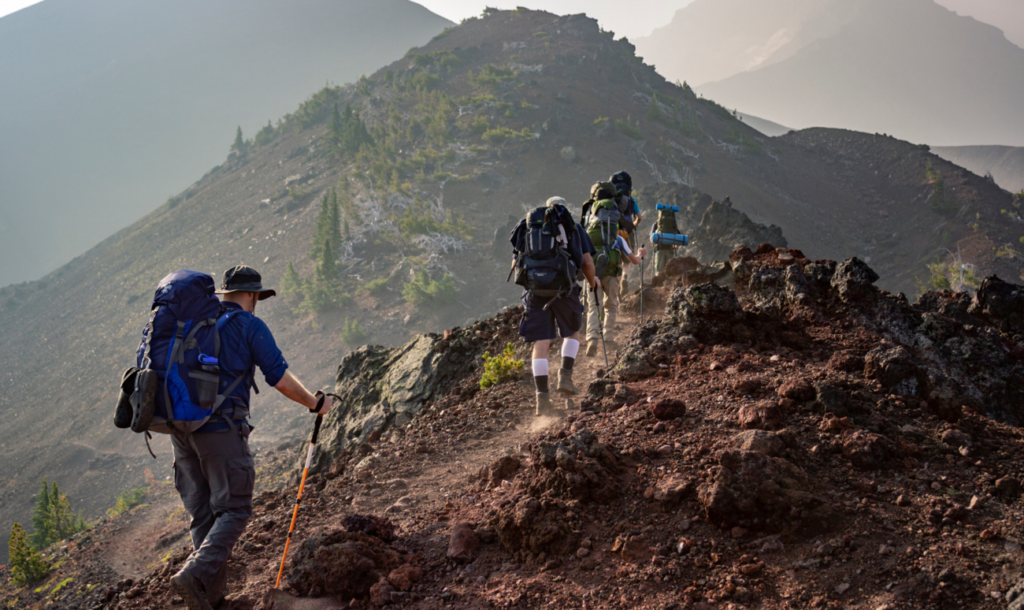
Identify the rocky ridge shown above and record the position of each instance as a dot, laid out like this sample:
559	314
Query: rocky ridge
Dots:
801	440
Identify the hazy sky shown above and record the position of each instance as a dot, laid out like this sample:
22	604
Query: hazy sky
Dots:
638	19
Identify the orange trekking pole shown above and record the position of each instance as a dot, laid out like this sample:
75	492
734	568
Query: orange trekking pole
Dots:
302	484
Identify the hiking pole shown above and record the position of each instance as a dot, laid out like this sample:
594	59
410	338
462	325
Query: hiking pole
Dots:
600	327
305	472
642	246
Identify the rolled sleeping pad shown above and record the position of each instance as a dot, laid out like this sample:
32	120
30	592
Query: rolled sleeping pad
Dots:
670	239
662	206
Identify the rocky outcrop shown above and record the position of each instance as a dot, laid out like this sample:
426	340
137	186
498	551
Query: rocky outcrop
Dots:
383	387
948	350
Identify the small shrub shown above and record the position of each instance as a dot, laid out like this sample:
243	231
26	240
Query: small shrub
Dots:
501	368
490	74
352	332
27	565
425	291
628	129
498	135
128	500
377	287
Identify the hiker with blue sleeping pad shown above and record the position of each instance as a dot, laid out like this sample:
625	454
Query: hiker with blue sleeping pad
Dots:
550	252
665	236
603	225
194	372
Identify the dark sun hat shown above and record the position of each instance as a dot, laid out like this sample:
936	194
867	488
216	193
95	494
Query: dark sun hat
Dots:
242	278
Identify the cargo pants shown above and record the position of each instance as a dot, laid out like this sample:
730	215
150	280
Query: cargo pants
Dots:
661	258
214	474
608	292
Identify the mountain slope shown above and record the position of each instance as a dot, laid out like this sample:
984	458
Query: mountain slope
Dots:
1005	163
109	106
891	70
484	121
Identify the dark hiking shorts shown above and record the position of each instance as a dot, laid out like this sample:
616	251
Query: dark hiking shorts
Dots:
563	317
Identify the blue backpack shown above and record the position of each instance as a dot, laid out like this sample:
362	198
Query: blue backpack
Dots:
178	377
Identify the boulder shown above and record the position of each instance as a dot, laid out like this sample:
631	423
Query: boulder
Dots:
894	368
463	544
759	441
799	390
668	408
341	564
853	280
765	415
867	450
760	492
1001	304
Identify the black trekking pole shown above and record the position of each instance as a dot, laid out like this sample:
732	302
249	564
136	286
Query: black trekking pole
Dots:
302	485
642	246
600	327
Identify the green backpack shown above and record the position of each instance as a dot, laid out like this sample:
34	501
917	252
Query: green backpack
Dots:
603	228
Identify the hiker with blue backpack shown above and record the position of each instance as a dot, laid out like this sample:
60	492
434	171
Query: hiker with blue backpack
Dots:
550	251
194	372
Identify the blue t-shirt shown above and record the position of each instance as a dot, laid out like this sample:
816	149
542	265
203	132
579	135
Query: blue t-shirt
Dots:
245	343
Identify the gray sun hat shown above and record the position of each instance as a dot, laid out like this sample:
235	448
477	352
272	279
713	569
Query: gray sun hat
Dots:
553	201
242	278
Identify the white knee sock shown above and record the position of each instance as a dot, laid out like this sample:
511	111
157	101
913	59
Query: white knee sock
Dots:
570	347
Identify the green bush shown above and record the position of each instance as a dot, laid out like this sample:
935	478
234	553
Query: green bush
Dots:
264	135
424	81
490	74
501	368
628	129
377	287
425	291
352	332
27	565
498	135
128	500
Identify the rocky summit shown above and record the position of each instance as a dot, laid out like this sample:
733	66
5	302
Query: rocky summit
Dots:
787	436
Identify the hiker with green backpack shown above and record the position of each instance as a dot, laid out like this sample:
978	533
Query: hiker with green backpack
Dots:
604	223
550	251
194	370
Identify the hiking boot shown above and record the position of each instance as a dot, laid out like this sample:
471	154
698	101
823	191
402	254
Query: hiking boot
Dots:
218	589
190	590
592	348
144	401
544	404
565	384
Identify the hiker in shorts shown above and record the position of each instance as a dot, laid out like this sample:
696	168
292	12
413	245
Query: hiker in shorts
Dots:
548	316
214	471
630	209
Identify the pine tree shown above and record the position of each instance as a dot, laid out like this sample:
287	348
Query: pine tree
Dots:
328	225
52	519
327	268
239	143
27	565
40	517
291	284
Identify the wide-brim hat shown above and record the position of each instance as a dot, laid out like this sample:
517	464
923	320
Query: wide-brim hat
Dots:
243	278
